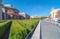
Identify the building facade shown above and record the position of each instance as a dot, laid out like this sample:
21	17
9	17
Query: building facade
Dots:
24	16
34	16
10	13
54	14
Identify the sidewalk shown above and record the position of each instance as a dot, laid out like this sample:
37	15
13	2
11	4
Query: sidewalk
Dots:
36	34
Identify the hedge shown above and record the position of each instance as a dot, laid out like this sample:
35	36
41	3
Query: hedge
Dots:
3	27
17	31
21	28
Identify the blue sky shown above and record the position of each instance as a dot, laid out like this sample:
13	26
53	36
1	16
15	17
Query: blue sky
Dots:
34	7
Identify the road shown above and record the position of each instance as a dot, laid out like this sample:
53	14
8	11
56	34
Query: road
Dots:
50	30
47	30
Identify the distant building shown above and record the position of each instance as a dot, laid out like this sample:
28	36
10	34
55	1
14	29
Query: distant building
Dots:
24	16
34	16
55	13
21	17
10	13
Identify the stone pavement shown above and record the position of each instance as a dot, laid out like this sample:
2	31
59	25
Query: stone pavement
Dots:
36	34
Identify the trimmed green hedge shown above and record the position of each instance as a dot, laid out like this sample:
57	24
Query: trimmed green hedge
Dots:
1	21
17	31
3	27
28	24
21	28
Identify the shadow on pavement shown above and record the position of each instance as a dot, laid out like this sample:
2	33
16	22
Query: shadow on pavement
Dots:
40	32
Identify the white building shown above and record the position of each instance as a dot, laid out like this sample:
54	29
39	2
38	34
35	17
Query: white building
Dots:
34	16
54	14
25	15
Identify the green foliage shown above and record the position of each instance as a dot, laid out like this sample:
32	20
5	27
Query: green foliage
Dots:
43	17
20	28
1	21
3	26
17	31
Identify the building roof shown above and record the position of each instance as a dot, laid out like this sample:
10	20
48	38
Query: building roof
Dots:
8	5
7	8
22	13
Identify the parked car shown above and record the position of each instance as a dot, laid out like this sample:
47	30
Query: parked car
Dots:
57	20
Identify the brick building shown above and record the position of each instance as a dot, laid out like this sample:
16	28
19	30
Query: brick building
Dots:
10	13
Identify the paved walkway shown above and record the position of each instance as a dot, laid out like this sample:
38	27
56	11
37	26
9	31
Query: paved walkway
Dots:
36	34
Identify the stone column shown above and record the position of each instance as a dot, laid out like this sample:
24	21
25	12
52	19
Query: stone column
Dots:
0	10
0	1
